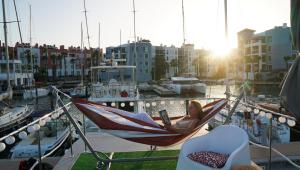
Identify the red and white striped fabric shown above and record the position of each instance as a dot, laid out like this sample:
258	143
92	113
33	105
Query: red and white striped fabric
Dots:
139	127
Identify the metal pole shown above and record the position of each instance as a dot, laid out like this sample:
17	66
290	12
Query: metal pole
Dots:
134	30
6	49
83	117
270	144
85	140
39	150
84	130
183	24
187	107
17	16
71	144
227	92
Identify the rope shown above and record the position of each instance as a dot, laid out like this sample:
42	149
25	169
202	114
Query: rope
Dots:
279	153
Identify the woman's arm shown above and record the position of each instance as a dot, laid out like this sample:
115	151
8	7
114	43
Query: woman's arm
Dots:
182	130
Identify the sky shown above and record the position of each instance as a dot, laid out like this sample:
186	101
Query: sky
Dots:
160	21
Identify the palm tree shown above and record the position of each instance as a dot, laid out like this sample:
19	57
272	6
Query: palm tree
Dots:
59	59
53	60
174	64
73	66
65	63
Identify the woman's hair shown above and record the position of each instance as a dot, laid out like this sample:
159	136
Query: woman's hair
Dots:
199	108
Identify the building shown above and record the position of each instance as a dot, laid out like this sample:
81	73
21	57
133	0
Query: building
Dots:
19	75
266	55
134	54
171	57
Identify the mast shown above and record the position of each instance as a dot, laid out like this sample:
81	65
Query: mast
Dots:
30	44
227	92
134	31
99	43
88	35
81	49
18	21
183	22
120	43
9	89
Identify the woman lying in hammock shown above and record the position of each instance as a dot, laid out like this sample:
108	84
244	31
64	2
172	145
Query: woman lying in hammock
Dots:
188	123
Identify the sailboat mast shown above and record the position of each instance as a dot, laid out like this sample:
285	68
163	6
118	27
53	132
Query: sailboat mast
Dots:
134	31
18	21
183	22
99	43
6	45
30	44
81	49
226	41
226	23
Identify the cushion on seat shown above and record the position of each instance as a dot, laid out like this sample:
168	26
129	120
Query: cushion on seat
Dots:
208	158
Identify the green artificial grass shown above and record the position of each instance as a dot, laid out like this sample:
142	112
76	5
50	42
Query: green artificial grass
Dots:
87	161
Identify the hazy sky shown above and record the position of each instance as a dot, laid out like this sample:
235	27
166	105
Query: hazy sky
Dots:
58	21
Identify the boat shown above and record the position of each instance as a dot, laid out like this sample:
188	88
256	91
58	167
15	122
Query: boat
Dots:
117	93
12	115
79	91
184	85
52	137
33	93
255	125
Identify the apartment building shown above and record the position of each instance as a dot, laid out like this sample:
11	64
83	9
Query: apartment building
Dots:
265	54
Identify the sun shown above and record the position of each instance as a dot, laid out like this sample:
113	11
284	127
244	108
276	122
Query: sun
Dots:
221	50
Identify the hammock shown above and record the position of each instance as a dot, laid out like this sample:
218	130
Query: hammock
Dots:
140	127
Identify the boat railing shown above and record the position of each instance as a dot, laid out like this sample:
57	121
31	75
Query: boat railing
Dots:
113	90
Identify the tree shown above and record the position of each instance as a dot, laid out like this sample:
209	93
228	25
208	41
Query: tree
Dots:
174	64
65	63
53	60
73	66
160	67
59	59
221	71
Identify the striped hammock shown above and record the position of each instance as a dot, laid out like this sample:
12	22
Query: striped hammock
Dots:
140	127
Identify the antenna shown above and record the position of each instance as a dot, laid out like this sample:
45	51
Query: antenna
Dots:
183	23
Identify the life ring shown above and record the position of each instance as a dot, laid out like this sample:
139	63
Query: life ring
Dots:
124	93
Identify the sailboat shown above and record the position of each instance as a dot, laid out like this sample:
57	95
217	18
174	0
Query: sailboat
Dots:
10	116
37	92
80	90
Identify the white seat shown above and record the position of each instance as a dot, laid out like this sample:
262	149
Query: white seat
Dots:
225	139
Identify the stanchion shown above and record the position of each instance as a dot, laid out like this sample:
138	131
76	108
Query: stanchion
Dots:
187	107
270	143
71	144
39	150
84	130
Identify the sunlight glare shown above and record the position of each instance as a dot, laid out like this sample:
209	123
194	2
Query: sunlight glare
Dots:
221	50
